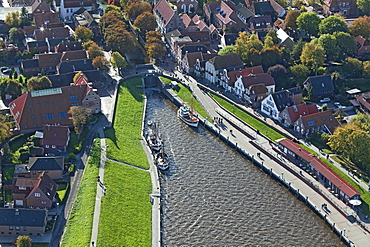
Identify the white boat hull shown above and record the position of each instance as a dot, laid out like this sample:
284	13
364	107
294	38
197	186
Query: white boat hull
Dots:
190	123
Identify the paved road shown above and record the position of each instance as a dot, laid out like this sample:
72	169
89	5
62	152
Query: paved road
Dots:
350	230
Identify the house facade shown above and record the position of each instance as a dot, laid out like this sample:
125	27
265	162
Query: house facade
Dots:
69	7
320	121
167	17
216	66
346	8
291	114
242	84
18	221
363	46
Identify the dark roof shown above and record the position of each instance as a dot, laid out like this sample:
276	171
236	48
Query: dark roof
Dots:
230	38
193	48
262	8
30	63
321	85
55	42
46	163
76	65
24	217
227	61
242	10
67	78
282	99
39	43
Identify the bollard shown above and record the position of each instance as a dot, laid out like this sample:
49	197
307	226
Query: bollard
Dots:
297	192
306	199
270	172
236	146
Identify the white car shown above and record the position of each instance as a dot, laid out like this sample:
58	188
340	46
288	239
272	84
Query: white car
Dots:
337	104
325	100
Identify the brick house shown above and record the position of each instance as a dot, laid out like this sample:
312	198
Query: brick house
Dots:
35	109
363	46
290	114
53	166
52	33
18	221
55	137
320	121
228	78
168	18
33	191
346	8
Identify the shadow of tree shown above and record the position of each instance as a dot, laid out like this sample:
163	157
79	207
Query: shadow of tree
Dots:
134	86
111	135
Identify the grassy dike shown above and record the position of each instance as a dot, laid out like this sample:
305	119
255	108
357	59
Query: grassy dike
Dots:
125	216
79	226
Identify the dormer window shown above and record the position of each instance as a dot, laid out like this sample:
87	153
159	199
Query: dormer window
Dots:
37	195
322	84
22	188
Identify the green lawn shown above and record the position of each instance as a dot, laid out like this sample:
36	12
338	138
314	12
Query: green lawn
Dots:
125	217
17	142
165	80
62	191
8	172
365	195
255	123
123	139
187	96
75	144
79	226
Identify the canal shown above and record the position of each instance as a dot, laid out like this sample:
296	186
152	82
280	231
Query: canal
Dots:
211	196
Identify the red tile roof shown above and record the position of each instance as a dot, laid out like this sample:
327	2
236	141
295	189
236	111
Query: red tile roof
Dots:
320	119
164	10
55	135
320	167
264	79
234	75
301	110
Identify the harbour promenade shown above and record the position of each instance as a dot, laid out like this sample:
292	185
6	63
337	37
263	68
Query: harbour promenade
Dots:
350	225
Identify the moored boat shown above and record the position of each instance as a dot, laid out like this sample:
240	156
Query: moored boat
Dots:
185	113
162	160
152	137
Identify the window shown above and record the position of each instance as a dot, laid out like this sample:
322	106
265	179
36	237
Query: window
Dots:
34	125
22	188
73	98
47	103
47	146
38	104
49	116
30	105
24	228
17	228
25	126
53	146
40	116
37	195
311	123
32	116
74	104
43	202
10	228
62	115
59	102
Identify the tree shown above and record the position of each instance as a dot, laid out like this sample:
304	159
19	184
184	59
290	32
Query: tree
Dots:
114	2
94	51
270	56
277	71
17	35
146	22
268	42
361	26
226	50
297	49
34	83
329	43
118	61
135	8
87	44
313	55
352	67
110	18
4	129
23	241
363	6
333	24
101	63
25	20
271	33
153	36
352	141
366	72
11	87
79	116
83	33
156	50
291	19
346	44
309	22
120	40
13	19
300	71
111	7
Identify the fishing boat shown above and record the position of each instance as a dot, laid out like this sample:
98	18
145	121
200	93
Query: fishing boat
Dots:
162	160
152	137
185	113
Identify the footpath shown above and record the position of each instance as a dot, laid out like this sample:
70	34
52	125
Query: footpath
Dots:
349	224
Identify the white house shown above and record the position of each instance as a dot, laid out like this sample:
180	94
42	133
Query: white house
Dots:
69	7
242	84
216	66
228	78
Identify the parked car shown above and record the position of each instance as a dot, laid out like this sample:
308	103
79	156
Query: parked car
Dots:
2	69
325	100
7	71
337	104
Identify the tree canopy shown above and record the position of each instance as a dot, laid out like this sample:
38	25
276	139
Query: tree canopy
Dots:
352	67
83	33
146	22
361	26
333	24
313	55
291	19
25	20
11	87
346	45
79	116
135	8
94	51
363	7
118	61
34	83
4	129
111	7
23	241
13	19
299	71
329	43
309	22
101	63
